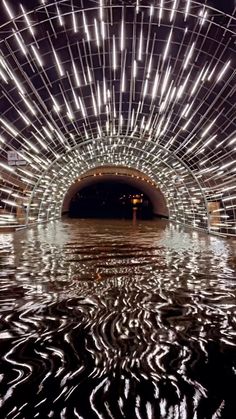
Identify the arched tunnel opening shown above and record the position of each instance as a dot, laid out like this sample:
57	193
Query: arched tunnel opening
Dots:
114	192
110	199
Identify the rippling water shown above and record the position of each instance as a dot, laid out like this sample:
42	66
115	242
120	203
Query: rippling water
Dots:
103	319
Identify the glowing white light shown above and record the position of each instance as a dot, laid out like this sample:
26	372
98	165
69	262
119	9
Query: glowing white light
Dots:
187	9
167	46
9	168
82	107
197	82
173	10
203	16
114	53
140	46
28	104
155	85
161	10
3	76
122	36
76	100
94	105
96	33
208	128
25	119
223	71
9	11
20	43
76	74
9	127
166	78
101	9
59	16
86	27
134	69
228	164
188	58
103	30
36	54
60	69
27	20
74	22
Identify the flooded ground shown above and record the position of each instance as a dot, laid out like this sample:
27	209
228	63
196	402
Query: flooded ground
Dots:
103	319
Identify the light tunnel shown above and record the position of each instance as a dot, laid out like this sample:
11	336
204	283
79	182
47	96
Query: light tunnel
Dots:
146	87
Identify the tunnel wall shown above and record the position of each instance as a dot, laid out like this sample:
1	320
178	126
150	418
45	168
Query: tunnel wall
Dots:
132	178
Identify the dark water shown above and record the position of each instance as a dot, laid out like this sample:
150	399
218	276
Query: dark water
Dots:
102	319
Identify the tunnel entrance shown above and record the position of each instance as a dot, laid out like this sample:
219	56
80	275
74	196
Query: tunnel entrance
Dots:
110	200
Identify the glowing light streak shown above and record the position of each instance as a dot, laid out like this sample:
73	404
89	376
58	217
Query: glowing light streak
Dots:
97	33
203	16
167	46
76	100
208	128
86	27
20	43
103	32
76	74
145	88
89	74
82	108
9	127
165	81
122	36
223	71
17	83
59	67
114	53
228	164
187	9
74	22
8	9
27	20
25	119
47	132
173	11
197	83
134	69
140	46
59	16
3	76
94	105
189	56
101	9
229	198
28	104
161	10
36	54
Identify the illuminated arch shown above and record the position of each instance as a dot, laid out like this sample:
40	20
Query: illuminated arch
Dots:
151	87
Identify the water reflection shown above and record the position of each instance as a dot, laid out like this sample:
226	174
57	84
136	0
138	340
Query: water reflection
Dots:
103	319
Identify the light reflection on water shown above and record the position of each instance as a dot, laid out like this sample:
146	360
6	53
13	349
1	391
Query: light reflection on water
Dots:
103	319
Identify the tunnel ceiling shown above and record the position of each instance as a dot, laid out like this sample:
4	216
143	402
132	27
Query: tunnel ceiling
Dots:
147	85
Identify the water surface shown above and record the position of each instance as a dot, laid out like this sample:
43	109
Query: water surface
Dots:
103	319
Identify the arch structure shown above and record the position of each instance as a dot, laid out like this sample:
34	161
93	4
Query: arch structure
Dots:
121	175
149	87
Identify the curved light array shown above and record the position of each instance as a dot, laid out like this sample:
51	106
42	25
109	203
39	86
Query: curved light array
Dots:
151	87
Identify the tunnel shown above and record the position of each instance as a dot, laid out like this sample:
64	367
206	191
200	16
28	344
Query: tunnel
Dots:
118	209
